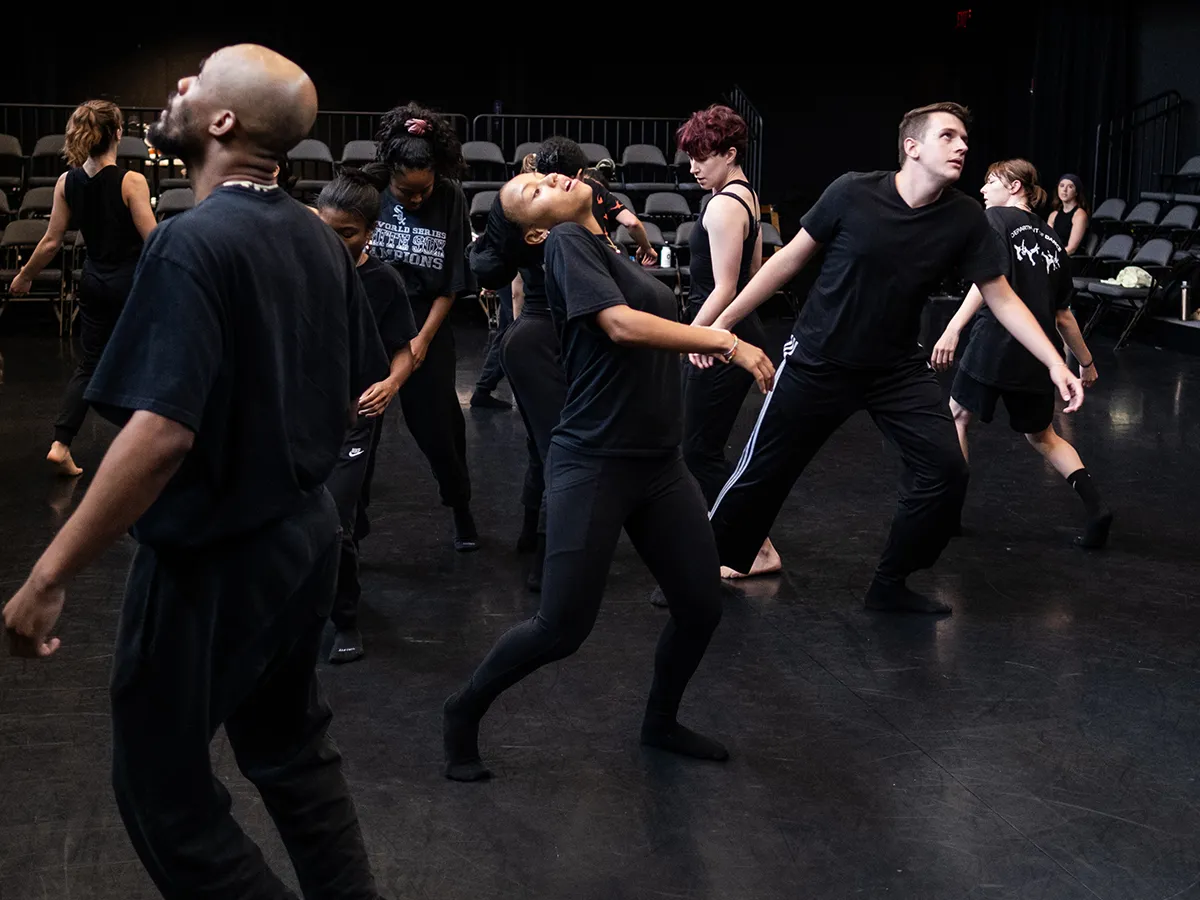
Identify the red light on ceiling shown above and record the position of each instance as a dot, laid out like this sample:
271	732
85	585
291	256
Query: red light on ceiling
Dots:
962	18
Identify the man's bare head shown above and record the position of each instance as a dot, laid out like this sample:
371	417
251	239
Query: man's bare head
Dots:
244	95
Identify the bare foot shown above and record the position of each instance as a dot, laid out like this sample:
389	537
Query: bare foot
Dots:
767	562
60	456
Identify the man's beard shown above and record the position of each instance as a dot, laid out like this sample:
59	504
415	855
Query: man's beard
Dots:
174	138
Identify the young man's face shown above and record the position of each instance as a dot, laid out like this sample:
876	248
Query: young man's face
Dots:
943	149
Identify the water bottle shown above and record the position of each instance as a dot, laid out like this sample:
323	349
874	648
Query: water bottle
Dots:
1183	301
664	258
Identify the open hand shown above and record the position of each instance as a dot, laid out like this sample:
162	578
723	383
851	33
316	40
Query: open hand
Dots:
943	350
21	285
30	616
1070	387
377	397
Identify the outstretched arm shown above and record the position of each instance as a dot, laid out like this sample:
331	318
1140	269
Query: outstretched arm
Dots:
1016	317
136	468
943	350
777	271
60	216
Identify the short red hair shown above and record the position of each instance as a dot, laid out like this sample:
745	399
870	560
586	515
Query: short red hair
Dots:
712	131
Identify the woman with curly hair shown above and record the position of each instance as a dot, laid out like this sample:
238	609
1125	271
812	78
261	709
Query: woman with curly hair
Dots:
422	233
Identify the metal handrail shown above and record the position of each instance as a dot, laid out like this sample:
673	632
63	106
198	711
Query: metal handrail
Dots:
1129	146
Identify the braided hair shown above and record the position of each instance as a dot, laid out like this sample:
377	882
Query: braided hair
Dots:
414	138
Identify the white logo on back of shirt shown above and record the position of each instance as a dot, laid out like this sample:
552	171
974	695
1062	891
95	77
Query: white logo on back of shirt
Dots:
355	451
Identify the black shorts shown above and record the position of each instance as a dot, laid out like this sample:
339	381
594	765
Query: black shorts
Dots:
1029	412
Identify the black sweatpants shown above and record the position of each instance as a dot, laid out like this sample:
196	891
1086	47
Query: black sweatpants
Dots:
101	300
810	400
589	500
347	484
530	354
229	636
493	371
429	401
712	399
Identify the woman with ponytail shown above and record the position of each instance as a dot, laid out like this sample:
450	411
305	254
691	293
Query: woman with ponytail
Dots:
111	208
350	206
422	233
995	366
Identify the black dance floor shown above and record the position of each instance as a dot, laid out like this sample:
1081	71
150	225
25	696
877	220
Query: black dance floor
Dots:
1044	742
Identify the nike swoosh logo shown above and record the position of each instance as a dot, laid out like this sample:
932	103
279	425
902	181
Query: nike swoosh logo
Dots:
356	451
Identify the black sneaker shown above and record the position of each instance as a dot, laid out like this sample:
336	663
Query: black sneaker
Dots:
466	537
347	647
482	399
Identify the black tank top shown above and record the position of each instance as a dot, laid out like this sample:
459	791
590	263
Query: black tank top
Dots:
703	280
97	210
1062	225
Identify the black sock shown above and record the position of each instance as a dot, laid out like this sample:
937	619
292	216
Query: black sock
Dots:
889	595
465	535
527	541
665	733
1081	480
460	740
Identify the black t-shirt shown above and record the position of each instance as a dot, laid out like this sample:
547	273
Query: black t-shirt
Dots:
248	324
534	281
389	304
1039	270
621	401
427	247
882	261
606	207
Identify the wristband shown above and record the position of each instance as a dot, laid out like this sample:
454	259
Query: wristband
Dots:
1087	365
732	351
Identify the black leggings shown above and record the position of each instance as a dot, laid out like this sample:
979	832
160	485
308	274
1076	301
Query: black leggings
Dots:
429	401
100	303
530	358
589	500
712	399
348	486
810	401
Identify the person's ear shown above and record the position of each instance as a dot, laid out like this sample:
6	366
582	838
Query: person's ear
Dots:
536	236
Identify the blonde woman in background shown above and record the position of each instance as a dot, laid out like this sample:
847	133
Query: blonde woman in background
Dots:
111	208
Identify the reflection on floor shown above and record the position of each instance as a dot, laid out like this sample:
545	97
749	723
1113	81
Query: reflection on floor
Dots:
1041	743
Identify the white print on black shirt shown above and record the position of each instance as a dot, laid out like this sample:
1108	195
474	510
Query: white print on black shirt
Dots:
398	241
1023	252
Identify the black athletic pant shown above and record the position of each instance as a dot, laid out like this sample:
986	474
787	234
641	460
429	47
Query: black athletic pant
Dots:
489	378
712	399
811	399
229	636
429	401
347	483
100	303
589	500
531	361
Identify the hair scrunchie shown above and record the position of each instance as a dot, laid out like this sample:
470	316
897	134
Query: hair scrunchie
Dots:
416	126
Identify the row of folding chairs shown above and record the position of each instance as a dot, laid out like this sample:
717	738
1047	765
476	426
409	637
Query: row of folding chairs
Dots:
1159	256
20	175
1175	218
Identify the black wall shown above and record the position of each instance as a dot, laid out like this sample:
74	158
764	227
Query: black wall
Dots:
1167	36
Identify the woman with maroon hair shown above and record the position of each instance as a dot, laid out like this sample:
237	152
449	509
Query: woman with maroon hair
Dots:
726	251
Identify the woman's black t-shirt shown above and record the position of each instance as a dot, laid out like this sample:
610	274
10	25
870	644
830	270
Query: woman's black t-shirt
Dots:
389	304
621	401
427	246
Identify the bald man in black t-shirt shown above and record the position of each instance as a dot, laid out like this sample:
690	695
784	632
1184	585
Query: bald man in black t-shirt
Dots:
234	369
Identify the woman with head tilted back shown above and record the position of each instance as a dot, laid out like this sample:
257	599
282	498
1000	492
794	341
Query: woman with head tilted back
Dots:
422	233
111	208
614	463
726	251
995	366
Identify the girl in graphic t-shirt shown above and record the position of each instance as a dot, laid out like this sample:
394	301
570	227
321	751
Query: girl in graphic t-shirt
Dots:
422	233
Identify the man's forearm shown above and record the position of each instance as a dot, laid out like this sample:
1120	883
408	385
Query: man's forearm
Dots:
142	459
715	304
777	271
